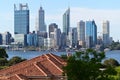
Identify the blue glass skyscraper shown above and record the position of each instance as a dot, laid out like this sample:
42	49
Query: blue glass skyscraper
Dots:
21	19
66	21
91	34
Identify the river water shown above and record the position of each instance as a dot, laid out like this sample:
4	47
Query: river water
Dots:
31	54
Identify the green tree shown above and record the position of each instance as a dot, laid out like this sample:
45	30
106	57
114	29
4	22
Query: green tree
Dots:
3	61
111	62
86	65
15	60
64	56
3	53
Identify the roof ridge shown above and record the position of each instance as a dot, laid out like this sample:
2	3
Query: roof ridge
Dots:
18	76
54	63
55	58
43	68
22	63
36	65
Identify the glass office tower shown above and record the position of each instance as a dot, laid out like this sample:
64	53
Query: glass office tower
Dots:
66	21
21	19
91	34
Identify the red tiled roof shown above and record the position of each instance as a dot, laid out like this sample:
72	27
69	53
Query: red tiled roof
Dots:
45	65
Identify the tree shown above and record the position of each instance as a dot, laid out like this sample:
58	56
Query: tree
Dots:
15	60
3	53
86	65
3	61
64	56
111	62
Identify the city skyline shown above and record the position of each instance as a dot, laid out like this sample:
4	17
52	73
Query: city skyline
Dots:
80	10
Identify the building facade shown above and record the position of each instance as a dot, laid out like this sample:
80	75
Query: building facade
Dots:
41	20
91	34
21	19
20	40
52	27
1	39
32	39
74	39
66	21
6	38
81	32
106	33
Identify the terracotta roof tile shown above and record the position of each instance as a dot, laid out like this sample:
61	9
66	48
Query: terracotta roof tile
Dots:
44	65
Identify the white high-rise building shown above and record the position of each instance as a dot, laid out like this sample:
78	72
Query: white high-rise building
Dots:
81	32
106	33
41	20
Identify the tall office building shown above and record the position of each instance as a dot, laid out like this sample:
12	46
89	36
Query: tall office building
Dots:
57	37
81	32
69	38
74	38
52	28
41	20
91	34
21	19
66	21
55	34
106	32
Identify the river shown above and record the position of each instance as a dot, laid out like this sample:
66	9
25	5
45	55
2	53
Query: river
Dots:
31	54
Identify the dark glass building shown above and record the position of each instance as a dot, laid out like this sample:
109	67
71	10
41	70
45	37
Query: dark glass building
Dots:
0	39
21	19
66	21
91	34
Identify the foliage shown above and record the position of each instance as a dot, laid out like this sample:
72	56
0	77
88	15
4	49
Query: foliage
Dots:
3	53
3	67
86	66
63	56
3	61
15	60
115	46
117	77
111	62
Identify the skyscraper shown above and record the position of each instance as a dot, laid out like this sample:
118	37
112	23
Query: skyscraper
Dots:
91	34
41	20
55	34
52	28
66	21
81	32
21	19
106	32
74	34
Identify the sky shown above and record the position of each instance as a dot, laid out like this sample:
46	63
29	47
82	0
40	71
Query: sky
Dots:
98	10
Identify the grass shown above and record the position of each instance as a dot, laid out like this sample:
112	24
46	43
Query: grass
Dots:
117	77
